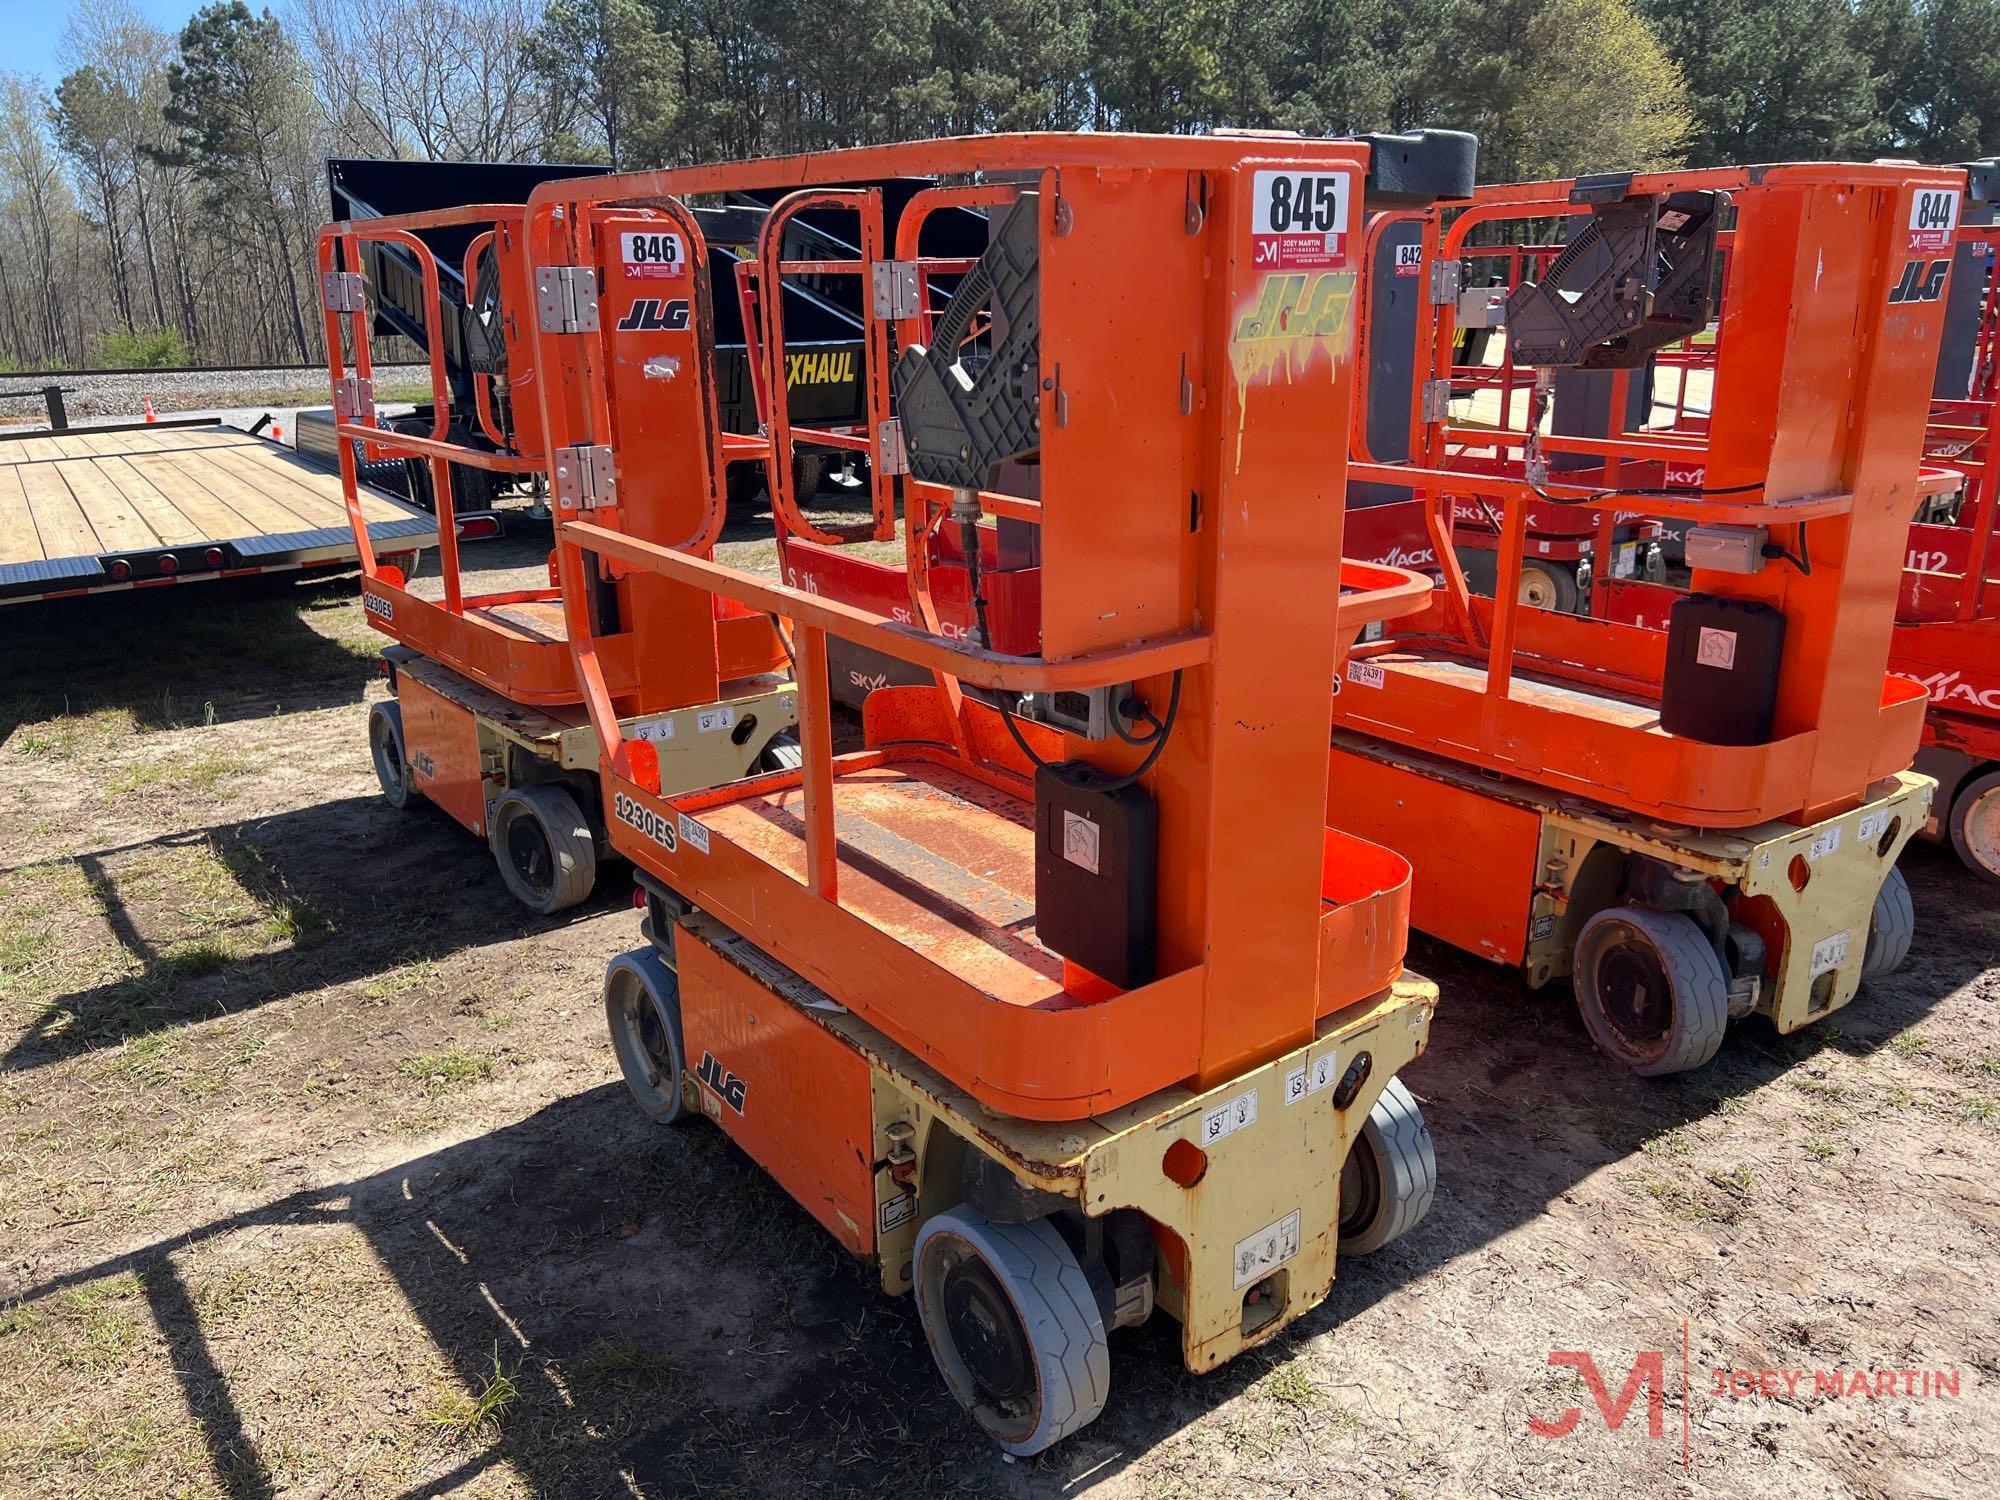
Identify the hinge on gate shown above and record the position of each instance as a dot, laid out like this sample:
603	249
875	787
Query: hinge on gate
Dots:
566	299
896	289
1483	307
1437	400
895	458
586	478
1447	276
354	400
342	291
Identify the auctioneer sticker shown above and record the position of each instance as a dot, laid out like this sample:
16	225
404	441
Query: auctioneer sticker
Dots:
1298	220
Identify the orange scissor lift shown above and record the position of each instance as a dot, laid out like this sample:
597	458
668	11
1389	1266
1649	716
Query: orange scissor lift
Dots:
487	717
1948	613
1702	823
1947	633
1055	1029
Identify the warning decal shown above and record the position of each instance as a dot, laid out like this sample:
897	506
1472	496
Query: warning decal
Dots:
1271	1246
1298	220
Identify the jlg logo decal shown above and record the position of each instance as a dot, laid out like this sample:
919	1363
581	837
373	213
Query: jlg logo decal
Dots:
726	1085
651	315
1922	281
1289	309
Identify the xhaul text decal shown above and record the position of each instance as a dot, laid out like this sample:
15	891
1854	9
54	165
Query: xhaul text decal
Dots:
726	1085
653	825
820	367
650	315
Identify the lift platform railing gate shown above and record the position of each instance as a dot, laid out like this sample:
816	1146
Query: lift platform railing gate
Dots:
344	295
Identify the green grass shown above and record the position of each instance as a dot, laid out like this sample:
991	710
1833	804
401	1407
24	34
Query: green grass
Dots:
1910	1044
414	976
203	773
441	1072
1290	1384
461	1416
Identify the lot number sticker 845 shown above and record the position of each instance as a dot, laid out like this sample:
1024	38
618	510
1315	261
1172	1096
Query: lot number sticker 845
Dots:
1298	220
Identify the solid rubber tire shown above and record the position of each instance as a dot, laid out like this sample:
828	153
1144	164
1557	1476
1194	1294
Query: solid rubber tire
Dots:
385	728
1398	1143
1052	1297
1698	989
570	843
642	978
1891	926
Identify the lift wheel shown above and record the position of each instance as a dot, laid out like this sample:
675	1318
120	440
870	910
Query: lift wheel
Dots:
1014	1327
544	848
1390	1177
385	748
1652	989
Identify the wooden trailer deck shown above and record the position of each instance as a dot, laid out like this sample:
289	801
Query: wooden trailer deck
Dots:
112	508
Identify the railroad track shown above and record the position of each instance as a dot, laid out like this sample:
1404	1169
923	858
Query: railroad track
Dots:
98	395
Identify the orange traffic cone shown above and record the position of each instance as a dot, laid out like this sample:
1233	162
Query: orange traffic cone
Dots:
150	415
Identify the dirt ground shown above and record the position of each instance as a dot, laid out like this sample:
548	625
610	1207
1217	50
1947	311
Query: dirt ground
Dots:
317	1178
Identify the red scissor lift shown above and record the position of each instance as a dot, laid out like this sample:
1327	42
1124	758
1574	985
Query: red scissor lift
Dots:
1948	615
486	718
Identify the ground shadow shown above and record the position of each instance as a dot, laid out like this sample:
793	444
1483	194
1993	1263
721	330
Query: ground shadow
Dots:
435	892
677	1325
191	654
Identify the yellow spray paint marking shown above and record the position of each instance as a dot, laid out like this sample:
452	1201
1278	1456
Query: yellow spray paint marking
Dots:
1294	318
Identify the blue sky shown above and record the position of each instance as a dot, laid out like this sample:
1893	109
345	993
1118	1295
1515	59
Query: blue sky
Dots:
32	28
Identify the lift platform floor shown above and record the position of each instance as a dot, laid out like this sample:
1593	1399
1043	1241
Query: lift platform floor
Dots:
94	510
931	857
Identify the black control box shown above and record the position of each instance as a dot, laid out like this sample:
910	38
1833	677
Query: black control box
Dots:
1721	684
1097	872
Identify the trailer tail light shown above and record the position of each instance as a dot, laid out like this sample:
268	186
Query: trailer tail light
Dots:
478	528
119	569
169	564
213	557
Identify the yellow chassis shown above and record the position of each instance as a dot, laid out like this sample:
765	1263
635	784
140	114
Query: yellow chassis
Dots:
1843	861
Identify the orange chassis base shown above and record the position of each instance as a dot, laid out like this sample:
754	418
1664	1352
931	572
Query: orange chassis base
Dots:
873	1142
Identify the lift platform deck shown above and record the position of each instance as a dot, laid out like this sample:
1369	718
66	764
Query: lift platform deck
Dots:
93	510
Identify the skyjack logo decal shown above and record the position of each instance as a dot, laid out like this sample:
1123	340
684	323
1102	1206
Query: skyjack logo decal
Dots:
1950	688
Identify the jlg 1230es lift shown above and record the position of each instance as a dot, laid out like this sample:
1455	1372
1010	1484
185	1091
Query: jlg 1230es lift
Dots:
1057	1029
1701	823
487	719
